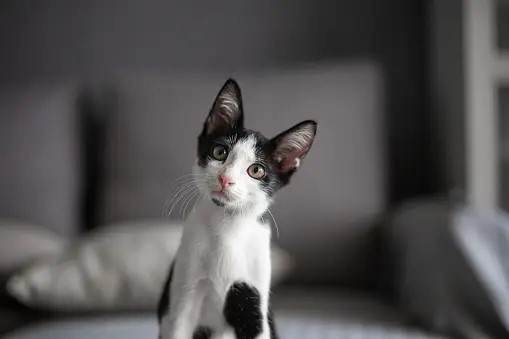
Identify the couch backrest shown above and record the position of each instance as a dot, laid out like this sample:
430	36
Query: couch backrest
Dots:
39	155
324	216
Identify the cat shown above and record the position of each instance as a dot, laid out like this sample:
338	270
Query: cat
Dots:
218	285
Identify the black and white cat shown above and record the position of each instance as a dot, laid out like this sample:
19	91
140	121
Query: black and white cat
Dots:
218	286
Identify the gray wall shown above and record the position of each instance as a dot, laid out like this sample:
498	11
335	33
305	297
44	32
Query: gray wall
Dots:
447	92
503	25
90	39
447	107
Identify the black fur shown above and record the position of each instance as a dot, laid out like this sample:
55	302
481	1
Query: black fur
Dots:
202	332
164	302
242	310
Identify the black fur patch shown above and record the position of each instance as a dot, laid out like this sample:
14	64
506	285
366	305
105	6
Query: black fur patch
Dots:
242	310
202	332
164	302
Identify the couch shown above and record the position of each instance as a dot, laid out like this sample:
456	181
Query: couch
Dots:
78	156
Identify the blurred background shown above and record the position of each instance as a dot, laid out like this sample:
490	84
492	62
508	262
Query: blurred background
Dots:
393	228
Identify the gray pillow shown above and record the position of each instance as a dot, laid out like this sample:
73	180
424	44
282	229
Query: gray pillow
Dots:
118	267
23	244
39	176
324	223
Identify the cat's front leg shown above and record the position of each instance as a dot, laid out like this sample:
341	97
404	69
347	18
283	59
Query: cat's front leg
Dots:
244	312
182	319
180	322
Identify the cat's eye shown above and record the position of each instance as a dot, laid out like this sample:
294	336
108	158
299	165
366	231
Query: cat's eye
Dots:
256	171
220	152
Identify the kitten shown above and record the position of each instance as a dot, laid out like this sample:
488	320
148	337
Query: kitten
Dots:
220	280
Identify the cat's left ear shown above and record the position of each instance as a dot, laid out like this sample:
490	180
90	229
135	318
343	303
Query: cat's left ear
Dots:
291	146
227	112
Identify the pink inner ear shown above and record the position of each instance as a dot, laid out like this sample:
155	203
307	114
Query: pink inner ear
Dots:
292	147
288	165
289	160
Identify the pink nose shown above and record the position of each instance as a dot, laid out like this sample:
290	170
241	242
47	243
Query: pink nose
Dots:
225	181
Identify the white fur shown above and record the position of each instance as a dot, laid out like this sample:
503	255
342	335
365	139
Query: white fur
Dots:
220	245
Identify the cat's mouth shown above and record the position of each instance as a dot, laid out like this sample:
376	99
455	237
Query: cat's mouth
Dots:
222	195
218	202
221	198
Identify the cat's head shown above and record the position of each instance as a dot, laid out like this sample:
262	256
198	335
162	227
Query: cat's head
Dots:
241	169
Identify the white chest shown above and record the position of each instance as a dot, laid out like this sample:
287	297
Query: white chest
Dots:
222	249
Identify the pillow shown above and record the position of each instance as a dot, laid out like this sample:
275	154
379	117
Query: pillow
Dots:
119	267
23	244
39	177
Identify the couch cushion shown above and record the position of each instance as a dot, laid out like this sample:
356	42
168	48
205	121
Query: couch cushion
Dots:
304	314
324	215
38	156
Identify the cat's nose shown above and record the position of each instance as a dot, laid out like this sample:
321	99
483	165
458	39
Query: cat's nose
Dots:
225	181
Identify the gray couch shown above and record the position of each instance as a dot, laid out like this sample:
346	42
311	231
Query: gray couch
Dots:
307	314
77	157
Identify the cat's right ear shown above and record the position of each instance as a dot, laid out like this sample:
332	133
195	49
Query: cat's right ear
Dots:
227	112
291	146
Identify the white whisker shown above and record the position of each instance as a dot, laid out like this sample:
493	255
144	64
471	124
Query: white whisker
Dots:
186	204
275	223
196	201
181	195
189	193
182	185
175	191
180	182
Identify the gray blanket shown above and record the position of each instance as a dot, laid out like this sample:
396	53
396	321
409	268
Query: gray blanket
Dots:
452	268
